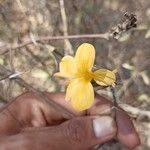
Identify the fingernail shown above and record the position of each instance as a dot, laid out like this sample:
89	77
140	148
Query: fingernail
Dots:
103	126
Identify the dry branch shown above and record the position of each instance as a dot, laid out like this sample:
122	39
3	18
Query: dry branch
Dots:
67	44
128	23
48	38
136	112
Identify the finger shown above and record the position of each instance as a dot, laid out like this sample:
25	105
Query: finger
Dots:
53	116
80	133
126	134
85	132
102	106
34	111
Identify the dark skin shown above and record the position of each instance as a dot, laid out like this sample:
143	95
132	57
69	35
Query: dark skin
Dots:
28	123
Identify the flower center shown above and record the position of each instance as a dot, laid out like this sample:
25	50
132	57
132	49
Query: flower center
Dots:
88	76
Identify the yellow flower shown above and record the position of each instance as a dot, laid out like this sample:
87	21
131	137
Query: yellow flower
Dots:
78	70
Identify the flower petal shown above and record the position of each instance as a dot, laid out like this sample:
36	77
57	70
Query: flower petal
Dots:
80	93
84	58
66	67
104	77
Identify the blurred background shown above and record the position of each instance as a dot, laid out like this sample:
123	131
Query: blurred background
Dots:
22	22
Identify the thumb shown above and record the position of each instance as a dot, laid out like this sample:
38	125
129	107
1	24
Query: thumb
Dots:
85	132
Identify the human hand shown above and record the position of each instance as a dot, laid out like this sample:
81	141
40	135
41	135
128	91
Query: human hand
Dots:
79	133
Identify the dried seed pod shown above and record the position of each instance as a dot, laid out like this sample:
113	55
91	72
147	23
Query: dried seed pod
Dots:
129	22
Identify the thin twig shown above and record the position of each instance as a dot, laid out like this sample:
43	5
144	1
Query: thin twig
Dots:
136	112
48	38
5	77
67	44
